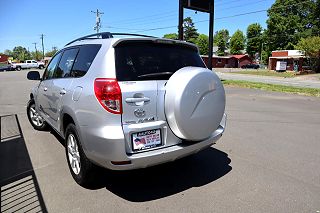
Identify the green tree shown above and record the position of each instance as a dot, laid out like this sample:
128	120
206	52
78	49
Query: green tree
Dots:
171	36
237	42
190	33
52	52
36	55
288	21
311	46
21	53
203	44
221	39
8	52
254	39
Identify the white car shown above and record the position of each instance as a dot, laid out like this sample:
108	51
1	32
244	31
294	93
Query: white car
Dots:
28	64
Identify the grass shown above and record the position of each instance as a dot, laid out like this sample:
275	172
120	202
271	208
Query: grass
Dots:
267	73
274	87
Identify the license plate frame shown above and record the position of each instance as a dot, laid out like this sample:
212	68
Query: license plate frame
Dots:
145	140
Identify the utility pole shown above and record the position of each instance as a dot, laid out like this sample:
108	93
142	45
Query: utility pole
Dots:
98	21
41	37
35	47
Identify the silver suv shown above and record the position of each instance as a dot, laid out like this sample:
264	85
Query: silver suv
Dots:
129	102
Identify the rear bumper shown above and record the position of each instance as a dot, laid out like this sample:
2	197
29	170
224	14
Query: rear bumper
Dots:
114	150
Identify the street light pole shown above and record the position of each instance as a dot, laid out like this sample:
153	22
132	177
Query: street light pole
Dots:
210	35
180	25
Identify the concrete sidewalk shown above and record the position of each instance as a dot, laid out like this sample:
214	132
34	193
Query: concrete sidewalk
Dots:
296	82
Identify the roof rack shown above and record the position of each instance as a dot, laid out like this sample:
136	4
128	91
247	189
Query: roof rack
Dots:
106	35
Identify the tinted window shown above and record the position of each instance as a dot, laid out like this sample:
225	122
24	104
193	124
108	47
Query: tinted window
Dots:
66	63
147	61
84	59
52	66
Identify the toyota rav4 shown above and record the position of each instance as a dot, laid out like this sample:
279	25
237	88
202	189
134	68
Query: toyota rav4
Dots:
128	102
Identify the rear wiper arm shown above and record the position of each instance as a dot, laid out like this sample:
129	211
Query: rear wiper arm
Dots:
155	74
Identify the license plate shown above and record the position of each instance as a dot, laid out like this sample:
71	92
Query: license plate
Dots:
146	139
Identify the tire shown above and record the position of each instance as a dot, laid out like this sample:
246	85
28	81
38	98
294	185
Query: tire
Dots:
81	168
18	68
34	118
194	103
41	67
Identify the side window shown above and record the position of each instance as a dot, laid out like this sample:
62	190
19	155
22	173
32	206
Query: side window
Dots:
84	59
52	66
66	63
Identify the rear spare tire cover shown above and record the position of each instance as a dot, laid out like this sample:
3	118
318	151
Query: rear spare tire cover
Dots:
194	103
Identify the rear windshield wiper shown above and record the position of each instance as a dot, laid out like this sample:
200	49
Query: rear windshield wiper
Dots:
155	74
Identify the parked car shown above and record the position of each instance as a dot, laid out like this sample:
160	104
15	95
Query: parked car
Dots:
7	67
250	66
127	103
28	64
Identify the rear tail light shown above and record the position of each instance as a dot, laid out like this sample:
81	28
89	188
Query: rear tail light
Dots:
108	93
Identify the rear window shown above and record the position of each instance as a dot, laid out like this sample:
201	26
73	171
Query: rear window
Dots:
151	61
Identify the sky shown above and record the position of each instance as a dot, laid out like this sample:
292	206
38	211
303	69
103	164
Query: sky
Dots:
23	21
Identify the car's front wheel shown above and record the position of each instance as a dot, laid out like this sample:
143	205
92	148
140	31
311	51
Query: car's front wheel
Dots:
34	117
81	168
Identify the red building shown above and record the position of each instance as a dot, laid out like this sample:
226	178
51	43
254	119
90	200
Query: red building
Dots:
242	60
293	58
3	58
233	61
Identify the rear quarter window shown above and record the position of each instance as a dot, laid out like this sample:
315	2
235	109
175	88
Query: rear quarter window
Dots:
153	61
85	57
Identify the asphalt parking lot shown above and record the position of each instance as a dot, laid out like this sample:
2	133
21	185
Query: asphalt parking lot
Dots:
267	161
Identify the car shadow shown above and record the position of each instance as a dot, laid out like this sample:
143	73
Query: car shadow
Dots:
19	188
163	180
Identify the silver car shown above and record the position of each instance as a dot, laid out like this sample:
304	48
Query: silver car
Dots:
127	103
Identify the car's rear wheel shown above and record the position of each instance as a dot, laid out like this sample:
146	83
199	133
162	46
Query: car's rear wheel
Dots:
18	68
82	170
34	117
41	67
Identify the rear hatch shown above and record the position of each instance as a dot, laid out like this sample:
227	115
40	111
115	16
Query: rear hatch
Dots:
142	70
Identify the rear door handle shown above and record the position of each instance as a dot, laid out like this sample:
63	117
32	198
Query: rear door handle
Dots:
62	92
135	100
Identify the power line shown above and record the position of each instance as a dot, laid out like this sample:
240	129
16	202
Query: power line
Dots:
144	18
147	21
225	17
161	16
242	5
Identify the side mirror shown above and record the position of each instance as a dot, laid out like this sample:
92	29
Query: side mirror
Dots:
33	75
